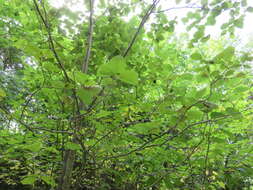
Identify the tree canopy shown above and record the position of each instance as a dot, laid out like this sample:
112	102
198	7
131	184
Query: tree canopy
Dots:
112	97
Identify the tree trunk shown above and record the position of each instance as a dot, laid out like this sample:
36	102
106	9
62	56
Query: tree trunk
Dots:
68	163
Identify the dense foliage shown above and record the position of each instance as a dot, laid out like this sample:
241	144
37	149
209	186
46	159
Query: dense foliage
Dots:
114	98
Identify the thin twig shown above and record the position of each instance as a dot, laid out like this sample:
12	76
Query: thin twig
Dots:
182	7
50	130
8	114
93	103
27	126
143	146
207	154
101	138
28	100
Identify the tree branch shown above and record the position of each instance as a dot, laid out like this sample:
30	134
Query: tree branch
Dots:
51	42
143	21
29	99
89	43
52	48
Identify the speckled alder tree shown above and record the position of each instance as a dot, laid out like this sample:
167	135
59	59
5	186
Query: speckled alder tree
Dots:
96	101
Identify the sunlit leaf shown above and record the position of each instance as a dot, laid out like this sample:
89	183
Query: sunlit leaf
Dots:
72	146
129	76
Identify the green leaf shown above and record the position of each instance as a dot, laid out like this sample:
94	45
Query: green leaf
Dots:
178	1
200	33
187	76
226	54
196	56
80	77
116	65
250	9
239	22
221	184
194	114
215	115
29	180
201	93
103	113
2	94
241	89
51	67
224	26
145	128
58	84
34	147
206	106
231	111
72	146
129	76
211	20
48	179
88	93
206	38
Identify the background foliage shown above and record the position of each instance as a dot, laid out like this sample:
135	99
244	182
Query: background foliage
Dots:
92	100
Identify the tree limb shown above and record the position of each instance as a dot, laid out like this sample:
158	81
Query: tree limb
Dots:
51	42
89	42
143	21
